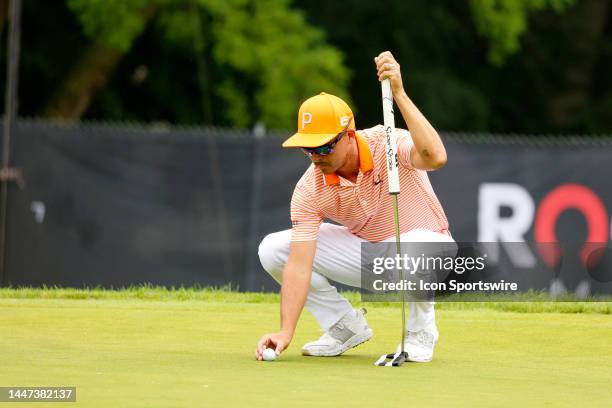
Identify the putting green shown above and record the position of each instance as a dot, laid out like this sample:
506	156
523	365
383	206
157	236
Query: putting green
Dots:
172	353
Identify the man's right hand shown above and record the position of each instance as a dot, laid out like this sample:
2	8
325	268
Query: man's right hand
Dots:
294	290
278	341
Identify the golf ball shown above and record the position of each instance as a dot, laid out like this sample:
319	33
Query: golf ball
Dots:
269	354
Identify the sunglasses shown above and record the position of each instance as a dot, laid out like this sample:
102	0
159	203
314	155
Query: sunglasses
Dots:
326	148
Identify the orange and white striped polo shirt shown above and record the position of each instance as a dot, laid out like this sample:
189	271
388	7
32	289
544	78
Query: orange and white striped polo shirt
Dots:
365	207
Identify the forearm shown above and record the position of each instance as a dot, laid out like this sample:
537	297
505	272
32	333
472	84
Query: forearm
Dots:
296	282
426	140
294	290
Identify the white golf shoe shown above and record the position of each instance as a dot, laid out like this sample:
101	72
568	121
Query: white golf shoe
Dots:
349	332
419	346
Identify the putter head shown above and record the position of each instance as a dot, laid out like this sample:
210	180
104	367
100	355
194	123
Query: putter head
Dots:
392	360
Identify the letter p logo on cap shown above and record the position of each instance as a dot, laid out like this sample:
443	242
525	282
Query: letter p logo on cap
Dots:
306	119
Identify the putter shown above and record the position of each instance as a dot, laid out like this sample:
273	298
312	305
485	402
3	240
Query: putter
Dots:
399	358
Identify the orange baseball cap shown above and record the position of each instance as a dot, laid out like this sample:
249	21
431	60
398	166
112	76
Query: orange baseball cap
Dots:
320	119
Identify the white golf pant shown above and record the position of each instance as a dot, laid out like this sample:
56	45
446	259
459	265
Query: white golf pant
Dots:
338	258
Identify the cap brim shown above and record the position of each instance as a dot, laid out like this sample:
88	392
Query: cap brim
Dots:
308	140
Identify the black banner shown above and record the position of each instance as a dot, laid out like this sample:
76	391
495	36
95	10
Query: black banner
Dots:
119	205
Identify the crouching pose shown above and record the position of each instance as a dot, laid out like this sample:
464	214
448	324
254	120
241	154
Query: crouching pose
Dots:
347	183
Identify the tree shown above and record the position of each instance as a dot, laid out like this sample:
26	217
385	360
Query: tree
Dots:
427	38
529	66
532	66
113	25
503	22
268	58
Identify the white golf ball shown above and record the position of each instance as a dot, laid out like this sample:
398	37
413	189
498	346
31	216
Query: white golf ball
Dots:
269	354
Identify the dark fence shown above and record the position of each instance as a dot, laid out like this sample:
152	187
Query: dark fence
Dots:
120	205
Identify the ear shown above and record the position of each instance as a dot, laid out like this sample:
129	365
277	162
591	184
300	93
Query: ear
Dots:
351	132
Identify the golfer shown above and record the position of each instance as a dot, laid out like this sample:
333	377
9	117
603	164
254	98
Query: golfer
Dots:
347	183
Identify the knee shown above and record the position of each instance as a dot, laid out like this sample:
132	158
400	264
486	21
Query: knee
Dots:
273	252
320	283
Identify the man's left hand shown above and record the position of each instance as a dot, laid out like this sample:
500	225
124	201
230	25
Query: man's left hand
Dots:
387	67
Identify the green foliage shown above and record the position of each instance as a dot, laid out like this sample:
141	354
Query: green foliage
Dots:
179	23
270	45
114	23
269	58
424	37
441	96
504	21
501	66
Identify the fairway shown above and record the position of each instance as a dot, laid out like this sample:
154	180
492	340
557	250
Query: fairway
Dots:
186	352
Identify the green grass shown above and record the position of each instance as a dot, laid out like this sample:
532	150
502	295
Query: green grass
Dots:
152	347
525	303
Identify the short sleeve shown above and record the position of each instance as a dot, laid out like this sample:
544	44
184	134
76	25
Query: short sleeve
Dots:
305	218
404	146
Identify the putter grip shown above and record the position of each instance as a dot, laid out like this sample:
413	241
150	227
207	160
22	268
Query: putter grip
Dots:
389	122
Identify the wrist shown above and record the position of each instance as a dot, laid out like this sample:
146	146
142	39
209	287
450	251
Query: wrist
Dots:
400	94
287	332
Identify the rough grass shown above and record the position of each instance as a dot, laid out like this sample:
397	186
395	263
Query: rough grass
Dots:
534	302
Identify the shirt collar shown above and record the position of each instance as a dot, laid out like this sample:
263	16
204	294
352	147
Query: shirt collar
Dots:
365	160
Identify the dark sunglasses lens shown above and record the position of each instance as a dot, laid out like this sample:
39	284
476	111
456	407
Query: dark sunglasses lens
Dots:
323	150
